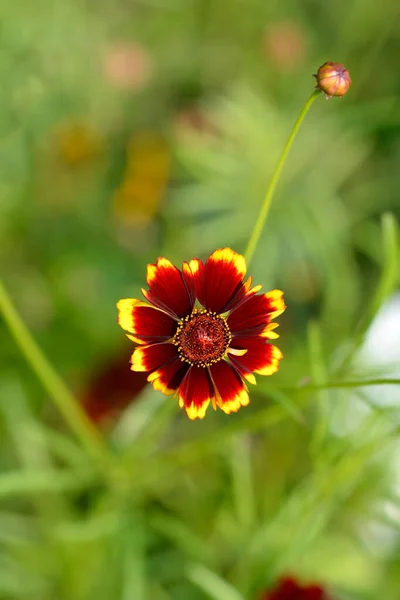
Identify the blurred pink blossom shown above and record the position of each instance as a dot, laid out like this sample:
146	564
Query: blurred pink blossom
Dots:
285	44
127	66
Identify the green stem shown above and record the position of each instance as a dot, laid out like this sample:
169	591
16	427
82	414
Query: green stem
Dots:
262	217
62	397
347	384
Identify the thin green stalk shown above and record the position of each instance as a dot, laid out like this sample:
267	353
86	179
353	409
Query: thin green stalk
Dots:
319	376
385	287
71	410
262	217
348	384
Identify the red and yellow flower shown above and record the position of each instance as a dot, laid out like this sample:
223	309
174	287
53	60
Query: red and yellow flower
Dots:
203	331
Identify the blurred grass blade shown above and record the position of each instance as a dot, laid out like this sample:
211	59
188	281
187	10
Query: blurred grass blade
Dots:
23	427
30	447
386	286
330	385
134	552
63	447
213	585
58	391
319	376
34	440
29	482
390	274
240	458
180	535
83	531
283	399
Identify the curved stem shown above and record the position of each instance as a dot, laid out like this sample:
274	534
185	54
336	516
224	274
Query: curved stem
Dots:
262	217
347	384
51	381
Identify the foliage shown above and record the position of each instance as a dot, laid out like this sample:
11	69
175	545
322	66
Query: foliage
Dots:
185	107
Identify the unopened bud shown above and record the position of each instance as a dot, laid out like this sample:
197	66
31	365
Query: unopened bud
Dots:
333	79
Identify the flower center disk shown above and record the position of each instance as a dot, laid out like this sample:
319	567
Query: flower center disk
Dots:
202	338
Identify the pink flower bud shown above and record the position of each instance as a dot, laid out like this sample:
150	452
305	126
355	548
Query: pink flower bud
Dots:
333	79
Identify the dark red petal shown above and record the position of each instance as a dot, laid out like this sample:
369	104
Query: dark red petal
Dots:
169	376
242	294
166	287
261	357
189	281
147	324
224	274
289	586
157	304
150	358
243	371
196	392
256	313
289	589
314	592
231	392
196	277
111	388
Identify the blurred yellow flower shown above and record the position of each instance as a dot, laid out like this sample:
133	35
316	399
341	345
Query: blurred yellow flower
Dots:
137	199
77	144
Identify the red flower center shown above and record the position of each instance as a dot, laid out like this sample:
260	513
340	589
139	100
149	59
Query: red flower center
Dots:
202	338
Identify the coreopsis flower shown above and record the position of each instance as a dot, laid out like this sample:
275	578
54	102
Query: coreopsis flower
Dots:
203	331
333	79
289	589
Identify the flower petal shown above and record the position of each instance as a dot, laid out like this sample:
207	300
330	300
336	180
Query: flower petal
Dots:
224	274
169	376
148	324
231	392
195	392
254	315
288	587
167	288
150	358
261	357
194	277
111	388
244	293
189	282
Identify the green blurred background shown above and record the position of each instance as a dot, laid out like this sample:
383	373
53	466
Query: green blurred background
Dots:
134	129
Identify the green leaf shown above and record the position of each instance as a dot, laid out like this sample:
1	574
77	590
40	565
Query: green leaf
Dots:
212	584
33	482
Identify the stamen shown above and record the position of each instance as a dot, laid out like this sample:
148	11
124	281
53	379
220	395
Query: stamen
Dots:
202	338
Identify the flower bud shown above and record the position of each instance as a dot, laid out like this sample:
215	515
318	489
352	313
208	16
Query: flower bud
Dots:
333	79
